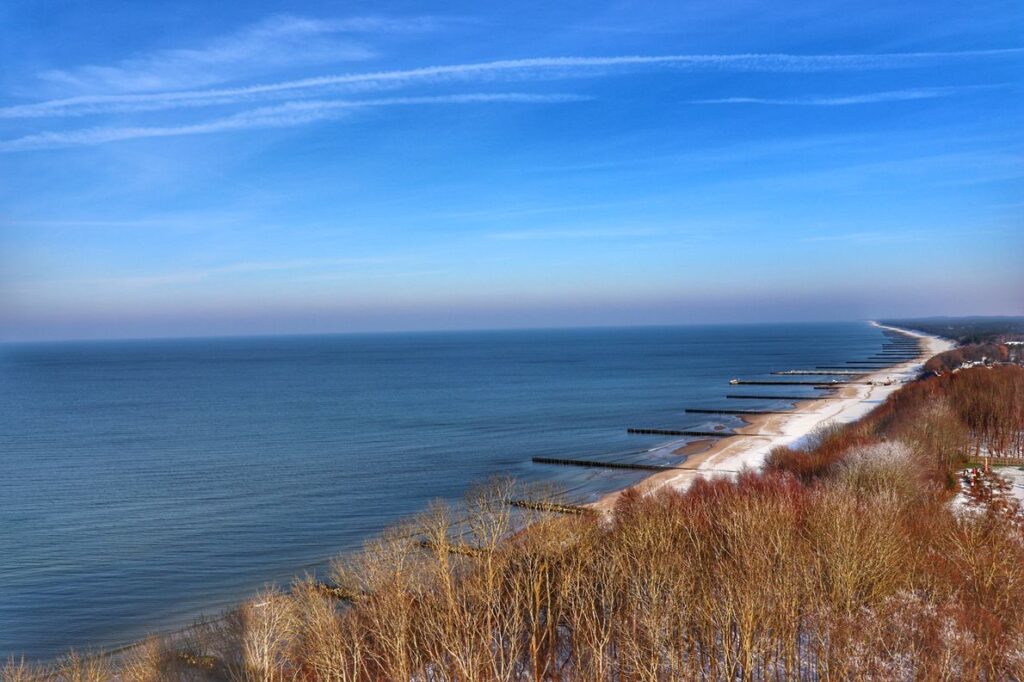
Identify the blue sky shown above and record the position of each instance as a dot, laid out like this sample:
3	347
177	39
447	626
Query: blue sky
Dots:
194	168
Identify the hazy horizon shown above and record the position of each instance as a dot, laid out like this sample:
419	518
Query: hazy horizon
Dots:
426	330
188	170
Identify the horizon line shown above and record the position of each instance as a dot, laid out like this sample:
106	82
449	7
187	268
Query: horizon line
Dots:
471	330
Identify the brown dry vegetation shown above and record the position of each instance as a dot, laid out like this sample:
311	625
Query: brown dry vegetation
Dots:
842	560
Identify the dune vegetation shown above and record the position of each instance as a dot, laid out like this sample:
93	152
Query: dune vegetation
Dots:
856	555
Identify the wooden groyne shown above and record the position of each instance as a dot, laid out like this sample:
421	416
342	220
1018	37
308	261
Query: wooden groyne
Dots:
566	461
780	397
820	372
815	384
673	432
554	507
700	410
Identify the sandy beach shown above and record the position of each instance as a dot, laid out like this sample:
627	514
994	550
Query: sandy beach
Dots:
749	448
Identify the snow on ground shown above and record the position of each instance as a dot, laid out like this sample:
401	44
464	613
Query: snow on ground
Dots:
966	503
1015	476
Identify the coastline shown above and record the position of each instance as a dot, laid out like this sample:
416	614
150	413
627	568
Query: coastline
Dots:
748	450
706	458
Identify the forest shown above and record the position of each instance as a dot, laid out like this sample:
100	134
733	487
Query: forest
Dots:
967	330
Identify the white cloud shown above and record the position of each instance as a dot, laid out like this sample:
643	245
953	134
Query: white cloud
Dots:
901	236
868	237
279	116
512	69
239	268
580	233
276	42
866	98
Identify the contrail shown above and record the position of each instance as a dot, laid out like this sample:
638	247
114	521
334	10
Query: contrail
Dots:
285	115
522	69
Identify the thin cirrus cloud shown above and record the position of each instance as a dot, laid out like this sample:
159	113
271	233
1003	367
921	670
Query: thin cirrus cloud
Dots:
281	116
276	42
868	237
239	268
581	233
513	69
848	100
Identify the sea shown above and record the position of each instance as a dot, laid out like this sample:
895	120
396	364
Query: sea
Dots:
146	484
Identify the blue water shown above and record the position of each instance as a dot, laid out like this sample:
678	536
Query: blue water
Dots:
144	483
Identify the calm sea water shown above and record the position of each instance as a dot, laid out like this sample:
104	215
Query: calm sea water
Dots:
144	483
